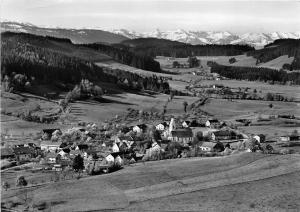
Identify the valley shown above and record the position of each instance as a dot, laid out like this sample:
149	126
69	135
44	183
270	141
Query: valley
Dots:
89	127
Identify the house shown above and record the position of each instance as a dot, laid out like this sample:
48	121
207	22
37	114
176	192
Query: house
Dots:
24	153
115	148
51	157
212	123
223	135
207	146
7	153
284	138
186	124
50	146
161	126
181	135
139	128
260	138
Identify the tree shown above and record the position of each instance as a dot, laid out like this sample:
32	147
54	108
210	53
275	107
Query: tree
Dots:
21	182
185	104
193	62
232	60
172	95
176	64
5	185
78	164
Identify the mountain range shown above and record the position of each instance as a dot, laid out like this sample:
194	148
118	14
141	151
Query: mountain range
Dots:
212	37
257	40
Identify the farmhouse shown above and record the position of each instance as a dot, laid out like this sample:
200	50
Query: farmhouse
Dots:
161	126
212	123
139	128
284	138
23	153
50	146
186	124
223	135
207	146
181	135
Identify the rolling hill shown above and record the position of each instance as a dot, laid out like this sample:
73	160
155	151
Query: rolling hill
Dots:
75	35
241	182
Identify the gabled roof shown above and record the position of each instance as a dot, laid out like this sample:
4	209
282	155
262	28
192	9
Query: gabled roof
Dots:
142	126
208	144
213	120
182	133
23	150
50	131
224	133
50	143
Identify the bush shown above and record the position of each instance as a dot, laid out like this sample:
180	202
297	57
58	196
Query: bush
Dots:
232	60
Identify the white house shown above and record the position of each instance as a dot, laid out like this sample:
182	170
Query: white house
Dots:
207	146
161	126
256	137
109	158
284	138
118	161
115	148
50	146
186	124
211	122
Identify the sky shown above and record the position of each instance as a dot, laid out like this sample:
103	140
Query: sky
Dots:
239	16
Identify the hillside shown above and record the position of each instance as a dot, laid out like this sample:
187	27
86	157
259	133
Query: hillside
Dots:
290	47
179	184
76	35
48	60
161	47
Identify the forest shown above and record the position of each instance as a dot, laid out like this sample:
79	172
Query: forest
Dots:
256	74
160	47
123	55
290	47
48	66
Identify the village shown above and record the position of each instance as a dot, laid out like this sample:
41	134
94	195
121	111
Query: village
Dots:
92	149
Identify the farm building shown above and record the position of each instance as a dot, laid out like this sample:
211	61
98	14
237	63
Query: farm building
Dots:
212	123
223	135
24	153
50	146
207	146
161	126
139	128
284	138
181	135
186	124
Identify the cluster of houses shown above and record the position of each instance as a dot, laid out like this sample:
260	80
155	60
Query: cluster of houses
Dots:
58	149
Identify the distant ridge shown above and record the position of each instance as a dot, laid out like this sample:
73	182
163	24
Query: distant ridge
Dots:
75	35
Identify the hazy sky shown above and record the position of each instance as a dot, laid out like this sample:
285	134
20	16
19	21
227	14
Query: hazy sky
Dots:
146	15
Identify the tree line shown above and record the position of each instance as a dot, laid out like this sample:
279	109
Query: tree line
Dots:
46	66
255	74
122	55
290	47
160	47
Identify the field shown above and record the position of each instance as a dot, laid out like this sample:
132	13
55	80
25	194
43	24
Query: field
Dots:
241	182
242	60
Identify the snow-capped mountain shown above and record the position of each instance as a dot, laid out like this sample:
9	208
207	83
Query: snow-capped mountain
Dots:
115	36
211	37
76	35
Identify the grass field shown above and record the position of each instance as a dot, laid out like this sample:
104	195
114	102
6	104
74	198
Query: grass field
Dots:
267	182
